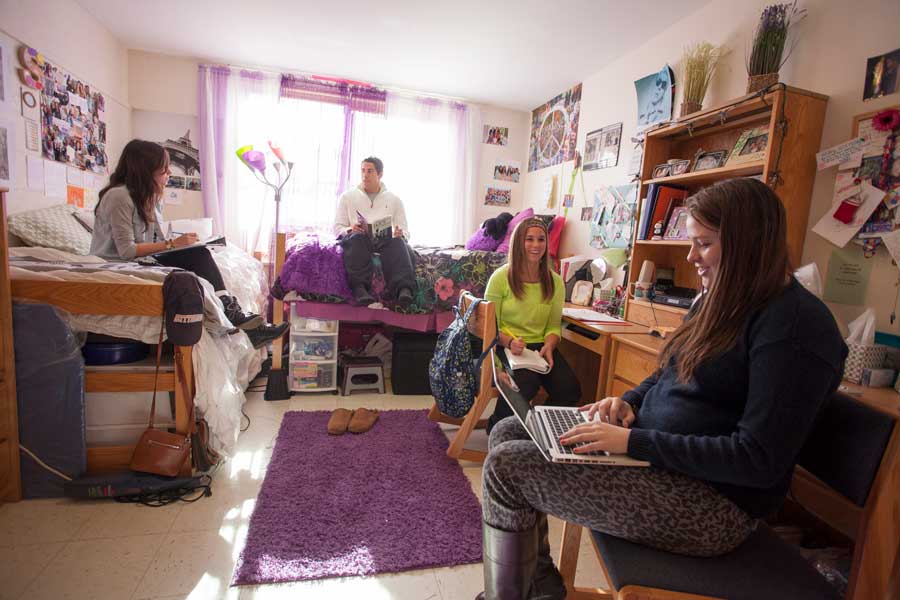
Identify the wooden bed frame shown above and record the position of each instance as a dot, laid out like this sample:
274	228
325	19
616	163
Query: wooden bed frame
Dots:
89	298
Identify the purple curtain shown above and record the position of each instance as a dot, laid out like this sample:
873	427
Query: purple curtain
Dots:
212	88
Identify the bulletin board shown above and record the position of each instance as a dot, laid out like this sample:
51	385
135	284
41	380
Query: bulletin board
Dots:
885	217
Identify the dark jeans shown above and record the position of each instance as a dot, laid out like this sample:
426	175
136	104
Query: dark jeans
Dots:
198	260
560	383
396	262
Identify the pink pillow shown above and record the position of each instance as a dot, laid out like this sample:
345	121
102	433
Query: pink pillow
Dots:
559	222
524	214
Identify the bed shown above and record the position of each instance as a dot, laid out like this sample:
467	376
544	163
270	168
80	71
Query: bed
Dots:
125	300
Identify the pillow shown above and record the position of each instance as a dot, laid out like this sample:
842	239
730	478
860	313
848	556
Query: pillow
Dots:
85	218
555	235
524	214
51	227
482	241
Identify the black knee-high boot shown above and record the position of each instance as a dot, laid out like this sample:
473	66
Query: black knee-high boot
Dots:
547	583
509	562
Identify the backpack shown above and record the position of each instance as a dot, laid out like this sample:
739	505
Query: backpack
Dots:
452	372
183	300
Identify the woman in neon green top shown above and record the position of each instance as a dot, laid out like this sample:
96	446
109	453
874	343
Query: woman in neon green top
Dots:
528	298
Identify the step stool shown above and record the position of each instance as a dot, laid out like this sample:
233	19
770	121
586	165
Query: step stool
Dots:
357	367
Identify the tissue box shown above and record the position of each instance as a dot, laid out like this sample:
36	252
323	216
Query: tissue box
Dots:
862	357
877	377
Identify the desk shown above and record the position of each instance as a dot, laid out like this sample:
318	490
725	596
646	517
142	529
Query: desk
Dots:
589	358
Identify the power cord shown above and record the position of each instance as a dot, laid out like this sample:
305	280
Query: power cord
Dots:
202	486
246	416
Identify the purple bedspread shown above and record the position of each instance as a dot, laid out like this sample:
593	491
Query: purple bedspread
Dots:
314	268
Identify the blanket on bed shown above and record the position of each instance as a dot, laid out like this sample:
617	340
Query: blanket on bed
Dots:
314	269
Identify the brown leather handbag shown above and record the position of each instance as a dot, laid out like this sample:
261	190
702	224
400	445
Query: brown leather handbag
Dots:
160	452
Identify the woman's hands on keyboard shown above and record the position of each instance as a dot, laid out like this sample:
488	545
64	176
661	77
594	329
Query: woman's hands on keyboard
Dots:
611	409
597	436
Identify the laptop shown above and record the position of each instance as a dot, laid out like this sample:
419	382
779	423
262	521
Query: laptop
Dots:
546	423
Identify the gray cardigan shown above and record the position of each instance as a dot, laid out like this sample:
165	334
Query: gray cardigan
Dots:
118	228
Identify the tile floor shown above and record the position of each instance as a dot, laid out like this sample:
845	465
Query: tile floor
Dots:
62	549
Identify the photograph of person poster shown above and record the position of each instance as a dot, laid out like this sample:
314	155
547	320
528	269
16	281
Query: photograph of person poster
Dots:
654	98
881	75
554	130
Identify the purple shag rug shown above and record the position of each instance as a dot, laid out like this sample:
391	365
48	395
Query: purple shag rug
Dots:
382	501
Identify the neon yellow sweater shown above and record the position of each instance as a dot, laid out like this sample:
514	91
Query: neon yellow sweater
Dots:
530	318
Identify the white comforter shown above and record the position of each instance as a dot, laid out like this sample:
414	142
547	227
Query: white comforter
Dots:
224	364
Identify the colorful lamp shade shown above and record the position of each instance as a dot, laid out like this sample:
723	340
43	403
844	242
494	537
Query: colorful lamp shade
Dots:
276	150
240	154
255	160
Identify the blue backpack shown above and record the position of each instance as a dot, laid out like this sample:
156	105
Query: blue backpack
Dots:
452	371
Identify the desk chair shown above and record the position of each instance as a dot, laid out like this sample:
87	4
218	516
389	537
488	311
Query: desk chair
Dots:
852	455
482	324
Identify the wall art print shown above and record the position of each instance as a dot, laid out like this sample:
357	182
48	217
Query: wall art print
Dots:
554	130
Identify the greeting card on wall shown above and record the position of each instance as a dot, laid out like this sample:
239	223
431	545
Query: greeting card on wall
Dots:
613	216
73	130
554	130
601	147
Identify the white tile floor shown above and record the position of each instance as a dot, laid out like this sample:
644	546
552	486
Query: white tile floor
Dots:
62	549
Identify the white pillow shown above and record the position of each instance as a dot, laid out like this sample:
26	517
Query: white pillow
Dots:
51	227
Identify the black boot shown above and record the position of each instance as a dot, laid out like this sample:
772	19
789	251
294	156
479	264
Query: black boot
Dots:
509	562
362	296
547	583
404	297
237	316
265	333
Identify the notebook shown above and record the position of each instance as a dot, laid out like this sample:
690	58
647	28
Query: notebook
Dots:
529	359
545	424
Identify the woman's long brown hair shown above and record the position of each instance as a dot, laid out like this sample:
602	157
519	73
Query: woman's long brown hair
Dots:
753	269
139	162
517	261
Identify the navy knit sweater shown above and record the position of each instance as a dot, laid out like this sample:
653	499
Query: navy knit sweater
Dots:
741	421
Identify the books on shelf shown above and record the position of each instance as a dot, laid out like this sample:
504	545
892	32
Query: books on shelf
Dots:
529	359
661	200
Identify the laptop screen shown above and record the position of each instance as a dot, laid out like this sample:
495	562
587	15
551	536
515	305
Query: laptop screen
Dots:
505	383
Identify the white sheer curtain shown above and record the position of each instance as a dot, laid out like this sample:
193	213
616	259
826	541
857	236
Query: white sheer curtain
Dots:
429	156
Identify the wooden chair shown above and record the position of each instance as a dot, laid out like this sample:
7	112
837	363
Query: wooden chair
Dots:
482	324
852	456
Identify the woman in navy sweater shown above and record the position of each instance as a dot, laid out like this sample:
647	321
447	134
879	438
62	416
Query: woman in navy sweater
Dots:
721	421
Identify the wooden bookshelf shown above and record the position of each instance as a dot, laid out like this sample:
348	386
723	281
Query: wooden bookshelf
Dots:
793	118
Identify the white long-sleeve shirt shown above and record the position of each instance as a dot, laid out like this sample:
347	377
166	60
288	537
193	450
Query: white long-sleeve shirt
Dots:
385	204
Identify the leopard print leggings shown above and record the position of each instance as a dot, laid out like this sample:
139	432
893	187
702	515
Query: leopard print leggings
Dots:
650	506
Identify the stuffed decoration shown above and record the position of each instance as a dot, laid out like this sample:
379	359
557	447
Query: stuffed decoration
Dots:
496	227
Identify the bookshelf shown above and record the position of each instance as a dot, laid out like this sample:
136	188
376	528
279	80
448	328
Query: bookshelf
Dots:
793	118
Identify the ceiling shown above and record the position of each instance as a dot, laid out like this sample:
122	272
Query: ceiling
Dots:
514	54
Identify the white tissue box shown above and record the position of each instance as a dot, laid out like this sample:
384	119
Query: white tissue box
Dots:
862	357
877	377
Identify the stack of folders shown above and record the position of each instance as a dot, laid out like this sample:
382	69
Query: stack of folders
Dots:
658	206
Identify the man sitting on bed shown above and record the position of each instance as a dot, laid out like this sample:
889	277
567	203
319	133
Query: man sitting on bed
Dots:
364	205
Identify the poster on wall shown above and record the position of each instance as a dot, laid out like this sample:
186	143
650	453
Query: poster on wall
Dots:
173	132
497	195
613	216
601	147
507	170
7	151
498	136
881	75
6	84
73	129
554	130
654	98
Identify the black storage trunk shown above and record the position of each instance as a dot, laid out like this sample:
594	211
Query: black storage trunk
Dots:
50	394
409	363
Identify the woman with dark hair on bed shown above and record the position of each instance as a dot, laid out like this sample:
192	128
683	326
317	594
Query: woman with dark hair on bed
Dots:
127	226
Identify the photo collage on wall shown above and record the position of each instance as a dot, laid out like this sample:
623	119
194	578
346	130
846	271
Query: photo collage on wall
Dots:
73	130
554	130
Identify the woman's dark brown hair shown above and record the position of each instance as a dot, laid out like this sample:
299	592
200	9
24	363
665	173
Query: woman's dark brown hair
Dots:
753	269
517	261
139	162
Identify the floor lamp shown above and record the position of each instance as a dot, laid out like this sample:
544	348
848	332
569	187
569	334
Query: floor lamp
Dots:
255	160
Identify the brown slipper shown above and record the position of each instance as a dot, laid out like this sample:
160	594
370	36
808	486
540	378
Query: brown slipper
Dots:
363	420
339	421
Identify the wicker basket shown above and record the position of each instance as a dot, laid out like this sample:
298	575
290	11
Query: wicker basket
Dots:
761	82
690	107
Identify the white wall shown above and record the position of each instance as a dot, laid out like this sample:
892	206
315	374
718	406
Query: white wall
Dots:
72	39
518	124
835	40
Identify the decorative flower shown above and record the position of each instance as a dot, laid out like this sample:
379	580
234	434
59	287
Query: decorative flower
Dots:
887	120
443	287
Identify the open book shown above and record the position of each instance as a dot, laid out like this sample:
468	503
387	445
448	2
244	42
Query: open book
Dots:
216	240
380	230
529	359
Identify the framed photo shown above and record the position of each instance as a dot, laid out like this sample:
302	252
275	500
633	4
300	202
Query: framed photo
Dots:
601	147
679	167
677	226
663	170
709	160
750	146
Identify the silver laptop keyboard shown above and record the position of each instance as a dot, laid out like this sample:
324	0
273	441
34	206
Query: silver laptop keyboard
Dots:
561	421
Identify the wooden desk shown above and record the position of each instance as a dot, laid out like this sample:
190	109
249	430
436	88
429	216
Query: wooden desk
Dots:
633	358
589	358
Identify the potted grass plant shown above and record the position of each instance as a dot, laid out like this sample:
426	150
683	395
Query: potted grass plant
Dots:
767	53
697	66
